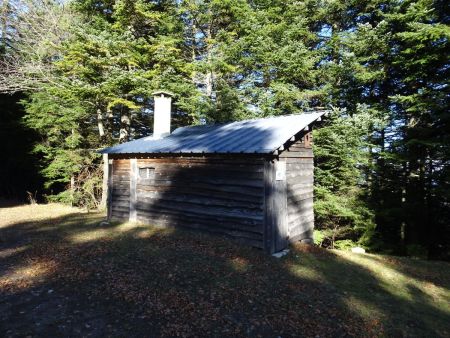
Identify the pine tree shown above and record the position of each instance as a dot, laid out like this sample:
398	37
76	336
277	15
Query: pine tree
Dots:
420	57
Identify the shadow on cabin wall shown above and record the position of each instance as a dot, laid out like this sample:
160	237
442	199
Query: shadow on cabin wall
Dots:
231	195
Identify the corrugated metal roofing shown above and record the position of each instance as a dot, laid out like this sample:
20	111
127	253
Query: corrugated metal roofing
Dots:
250	136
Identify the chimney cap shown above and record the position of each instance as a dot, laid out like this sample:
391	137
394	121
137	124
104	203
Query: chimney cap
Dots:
163	92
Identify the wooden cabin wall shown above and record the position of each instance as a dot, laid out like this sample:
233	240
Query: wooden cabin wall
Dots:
276	217
239	197
299	188
119	190
218	195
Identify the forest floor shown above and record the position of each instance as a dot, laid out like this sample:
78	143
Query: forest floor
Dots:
62	274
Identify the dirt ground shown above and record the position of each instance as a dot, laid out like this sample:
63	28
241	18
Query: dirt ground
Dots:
64	275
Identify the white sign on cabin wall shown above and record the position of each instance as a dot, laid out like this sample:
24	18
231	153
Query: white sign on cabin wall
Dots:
280	171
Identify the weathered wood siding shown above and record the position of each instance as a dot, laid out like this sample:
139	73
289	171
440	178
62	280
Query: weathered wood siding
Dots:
299	189
276	220
239	196
120	192
219	195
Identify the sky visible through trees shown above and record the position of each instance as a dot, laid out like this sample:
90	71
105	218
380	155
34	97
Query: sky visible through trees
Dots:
82	72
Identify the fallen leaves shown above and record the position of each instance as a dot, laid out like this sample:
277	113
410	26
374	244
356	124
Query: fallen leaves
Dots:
140	279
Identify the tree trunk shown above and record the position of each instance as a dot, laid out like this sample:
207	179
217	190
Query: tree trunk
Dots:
105	182
403	224
125	121
193	50
209	73
72	189
100	125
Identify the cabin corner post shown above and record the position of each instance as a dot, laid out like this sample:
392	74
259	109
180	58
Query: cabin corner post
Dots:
268	207
109	199
133	183
104	200
275	207
280	229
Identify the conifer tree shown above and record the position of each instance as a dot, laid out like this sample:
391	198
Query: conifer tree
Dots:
89	67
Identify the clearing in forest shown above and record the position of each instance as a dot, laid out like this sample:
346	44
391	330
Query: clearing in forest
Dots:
61	274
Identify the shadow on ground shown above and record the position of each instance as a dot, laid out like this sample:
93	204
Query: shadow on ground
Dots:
71	277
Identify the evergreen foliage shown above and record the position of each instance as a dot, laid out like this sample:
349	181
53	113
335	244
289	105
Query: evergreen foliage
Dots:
382	172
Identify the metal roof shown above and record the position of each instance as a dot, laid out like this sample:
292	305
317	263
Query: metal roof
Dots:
261	136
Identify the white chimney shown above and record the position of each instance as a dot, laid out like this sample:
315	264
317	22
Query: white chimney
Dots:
162	114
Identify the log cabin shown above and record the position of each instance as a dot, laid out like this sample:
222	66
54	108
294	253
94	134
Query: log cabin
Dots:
251	180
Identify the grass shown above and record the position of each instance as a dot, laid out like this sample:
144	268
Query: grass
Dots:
61	274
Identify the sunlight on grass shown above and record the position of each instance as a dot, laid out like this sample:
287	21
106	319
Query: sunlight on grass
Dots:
398	284
402	296
306	272
141	231
239	264
27	275
91	235
34	213
101	233
407	296
364	308
143	234
13	251
304	267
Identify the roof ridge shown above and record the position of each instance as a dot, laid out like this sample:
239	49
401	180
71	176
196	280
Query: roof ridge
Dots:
255	135
251	119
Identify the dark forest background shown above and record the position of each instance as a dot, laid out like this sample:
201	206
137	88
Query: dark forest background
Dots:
77	76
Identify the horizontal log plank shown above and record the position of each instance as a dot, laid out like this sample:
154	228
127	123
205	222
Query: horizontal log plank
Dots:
174	167
299	196
120	204
299	174
300	211
193	213
203	201
212	192
299	166
299	188
234	213
123	189
294	160
213	174
219	192
299	153
119	217
305	229
120	197
306	204
296	219
251	231
309	233
125	182
250	191
203	180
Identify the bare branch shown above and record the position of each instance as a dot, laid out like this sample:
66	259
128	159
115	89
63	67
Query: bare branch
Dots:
39	30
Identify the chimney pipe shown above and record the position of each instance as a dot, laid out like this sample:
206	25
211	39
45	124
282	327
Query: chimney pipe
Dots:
162	114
